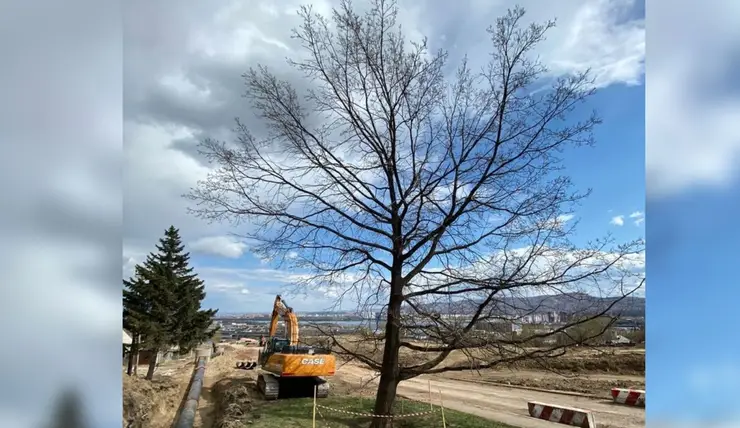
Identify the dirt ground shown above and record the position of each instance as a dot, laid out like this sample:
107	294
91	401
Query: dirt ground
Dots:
618	361
220	380
228	394
589	371
592	384
498	403
154	404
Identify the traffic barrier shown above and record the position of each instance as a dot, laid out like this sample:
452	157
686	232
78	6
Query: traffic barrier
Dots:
630	397
563	415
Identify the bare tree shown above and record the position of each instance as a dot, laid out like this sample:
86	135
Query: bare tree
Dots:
418	193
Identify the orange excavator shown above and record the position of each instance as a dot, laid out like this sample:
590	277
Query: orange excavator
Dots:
289	368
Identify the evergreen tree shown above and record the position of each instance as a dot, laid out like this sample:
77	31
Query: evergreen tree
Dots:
192	324
129	323
135	317
162	302
149	302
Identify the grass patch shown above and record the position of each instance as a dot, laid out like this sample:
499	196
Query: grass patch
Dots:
296	413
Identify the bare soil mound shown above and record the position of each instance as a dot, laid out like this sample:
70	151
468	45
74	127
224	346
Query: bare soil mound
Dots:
585	386
234	402
625	363
149	404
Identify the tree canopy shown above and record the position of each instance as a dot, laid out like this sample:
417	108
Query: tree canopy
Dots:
415	190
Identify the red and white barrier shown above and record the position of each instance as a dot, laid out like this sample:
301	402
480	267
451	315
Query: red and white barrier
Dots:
564	415
630	397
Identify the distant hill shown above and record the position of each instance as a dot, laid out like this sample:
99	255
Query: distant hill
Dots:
569	302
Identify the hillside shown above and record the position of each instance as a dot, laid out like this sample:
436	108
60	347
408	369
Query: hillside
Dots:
569	303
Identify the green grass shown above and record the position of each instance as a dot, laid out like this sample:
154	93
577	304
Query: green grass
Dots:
297	413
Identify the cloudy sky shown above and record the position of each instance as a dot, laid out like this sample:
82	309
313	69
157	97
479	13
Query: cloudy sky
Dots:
182	83
60	122
692	149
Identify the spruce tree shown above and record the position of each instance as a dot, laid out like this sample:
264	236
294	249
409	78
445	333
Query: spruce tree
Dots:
149	302
132	310
192	324
163	300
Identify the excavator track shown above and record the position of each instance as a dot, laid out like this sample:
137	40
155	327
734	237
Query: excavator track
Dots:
323	388
270	386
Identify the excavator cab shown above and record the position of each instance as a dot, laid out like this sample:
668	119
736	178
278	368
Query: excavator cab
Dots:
279	344
274	345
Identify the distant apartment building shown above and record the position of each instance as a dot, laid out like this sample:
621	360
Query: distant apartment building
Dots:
549	317
455	316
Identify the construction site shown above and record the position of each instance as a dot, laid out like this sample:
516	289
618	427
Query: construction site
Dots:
281	381
416	180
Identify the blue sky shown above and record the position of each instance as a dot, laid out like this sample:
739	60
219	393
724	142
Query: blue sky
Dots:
693	360
692	305
613	168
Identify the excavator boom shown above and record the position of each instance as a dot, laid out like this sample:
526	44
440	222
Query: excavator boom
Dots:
280	309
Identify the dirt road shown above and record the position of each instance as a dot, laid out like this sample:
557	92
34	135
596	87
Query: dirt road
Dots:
502	404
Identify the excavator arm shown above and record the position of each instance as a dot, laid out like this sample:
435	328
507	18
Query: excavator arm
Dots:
280	309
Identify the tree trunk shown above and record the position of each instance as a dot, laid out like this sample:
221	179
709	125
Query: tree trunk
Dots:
389	375
130	363
133	352
152	365
136	355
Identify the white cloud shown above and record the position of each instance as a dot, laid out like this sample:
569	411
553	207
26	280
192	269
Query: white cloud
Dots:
558	222
62	271
94	311
183	84
156	176
692	106
221	286
617	220
224	246
258	285
601	40
638	217
60	254
565	218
